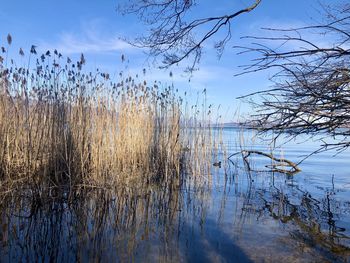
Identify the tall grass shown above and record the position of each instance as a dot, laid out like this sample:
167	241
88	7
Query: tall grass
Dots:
61	125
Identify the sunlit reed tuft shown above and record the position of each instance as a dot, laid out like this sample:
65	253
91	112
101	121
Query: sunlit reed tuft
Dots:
61	125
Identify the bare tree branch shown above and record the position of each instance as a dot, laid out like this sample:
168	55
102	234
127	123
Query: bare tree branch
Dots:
312	82
171	35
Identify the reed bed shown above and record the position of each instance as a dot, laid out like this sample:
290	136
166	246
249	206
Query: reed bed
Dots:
60	125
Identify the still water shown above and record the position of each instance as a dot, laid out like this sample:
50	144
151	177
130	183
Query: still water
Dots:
237	217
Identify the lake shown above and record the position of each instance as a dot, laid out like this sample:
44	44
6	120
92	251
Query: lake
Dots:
237	216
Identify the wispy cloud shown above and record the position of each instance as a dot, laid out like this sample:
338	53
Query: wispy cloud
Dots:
270	28
200	79
89	39
71	44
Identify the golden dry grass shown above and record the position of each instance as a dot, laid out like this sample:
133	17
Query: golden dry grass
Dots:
60	125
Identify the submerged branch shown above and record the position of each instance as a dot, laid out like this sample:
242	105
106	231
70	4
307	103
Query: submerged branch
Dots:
281	162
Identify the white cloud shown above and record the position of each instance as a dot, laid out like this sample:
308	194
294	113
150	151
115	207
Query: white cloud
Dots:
90	39
205	77
71	44
270	28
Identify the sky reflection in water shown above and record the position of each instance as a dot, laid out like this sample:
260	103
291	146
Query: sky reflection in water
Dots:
304	218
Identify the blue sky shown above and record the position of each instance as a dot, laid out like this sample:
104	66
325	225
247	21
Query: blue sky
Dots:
95	28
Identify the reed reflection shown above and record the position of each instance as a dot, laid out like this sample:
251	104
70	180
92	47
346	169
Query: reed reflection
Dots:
172	224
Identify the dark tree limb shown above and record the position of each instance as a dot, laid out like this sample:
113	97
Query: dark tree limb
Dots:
171	34
311	92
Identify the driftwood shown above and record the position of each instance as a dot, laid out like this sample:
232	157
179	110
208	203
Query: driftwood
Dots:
275	167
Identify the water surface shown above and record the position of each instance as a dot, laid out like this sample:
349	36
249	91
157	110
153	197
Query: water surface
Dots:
237	217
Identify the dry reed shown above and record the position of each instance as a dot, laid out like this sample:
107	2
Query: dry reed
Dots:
61	125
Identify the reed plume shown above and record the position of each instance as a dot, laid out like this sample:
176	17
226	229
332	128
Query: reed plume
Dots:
61	125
